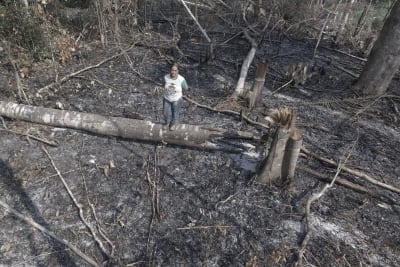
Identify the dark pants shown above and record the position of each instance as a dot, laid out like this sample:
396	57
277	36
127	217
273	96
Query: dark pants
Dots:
171	111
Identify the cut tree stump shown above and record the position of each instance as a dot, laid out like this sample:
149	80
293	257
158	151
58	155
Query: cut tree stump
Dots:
285	148
292	151
256	93
271	169
184	135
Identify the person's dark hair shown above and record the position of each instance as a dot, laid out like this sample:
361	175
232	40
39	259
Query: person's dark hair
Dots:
174	65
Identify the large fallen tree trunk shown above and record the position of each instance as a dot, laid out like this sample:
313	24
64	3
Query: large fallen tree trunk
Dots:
185	134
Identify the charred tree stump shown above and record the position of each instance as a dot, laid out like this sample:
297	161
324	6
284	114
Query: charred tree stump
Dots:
184	135
284	151
271	169
256	93
292	152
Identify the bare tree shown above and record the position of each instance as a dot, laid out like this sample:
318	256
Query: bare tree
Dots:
384	59
25	3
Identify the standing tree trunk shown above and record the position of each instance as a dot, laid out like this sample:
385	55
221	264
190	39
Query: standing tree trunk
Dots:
256	93
25	3
342	18
346	14
384	59
239	90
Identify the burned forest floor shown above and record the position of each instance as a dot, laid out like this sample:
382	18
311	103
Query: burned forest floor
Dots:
155	204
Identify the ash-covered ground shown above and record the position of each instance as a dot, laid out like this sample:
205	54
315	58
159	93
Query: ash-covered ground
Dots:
152	204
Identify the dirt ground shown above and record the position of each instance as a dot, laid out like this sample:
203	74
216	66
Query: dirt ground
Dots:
153	204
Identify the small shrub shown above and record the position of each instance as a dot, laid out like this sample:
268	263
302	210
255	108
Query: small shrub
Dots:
22	30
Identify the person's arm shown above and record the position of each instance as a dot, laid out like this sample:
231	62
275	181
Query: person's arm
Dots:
164	81
184	85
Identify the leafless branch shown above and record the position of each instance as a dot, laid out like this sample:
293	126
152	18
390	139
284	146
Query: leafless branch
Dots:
69	76
196	21
230	112
314	197
48	142
321	33
356	173
34	224
283	86
21	92
99	228
153	188
78	205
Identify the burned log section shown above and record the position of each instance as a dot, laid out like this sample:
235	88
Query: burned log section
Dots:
185	134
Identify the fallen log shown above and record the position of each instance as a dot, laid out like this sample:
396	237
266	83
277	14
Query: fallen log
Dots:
185	134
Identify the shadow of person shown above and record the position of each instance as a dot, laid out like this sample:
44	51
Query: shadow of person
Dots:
23	201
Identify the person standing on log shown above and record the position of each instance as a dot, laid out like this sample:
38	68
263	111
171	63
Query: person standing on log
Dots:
174	84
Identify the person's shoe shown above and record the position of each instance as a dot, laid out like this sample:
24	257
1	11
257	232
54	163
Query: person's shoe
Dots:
172	127
165	127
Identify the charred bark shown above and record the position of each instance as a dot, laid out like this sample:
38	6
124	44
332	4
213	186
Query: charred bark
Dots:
271	170
384	59
184	135
284	151
256	93
292	151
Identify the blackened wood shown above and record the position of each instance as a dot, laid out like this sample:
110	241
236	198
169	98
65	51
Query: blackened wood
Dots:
271	169
256	93
292	152
384	59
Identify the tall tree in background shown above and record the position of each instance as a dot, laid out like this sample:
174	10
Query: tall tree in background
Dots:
25	3
384	59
